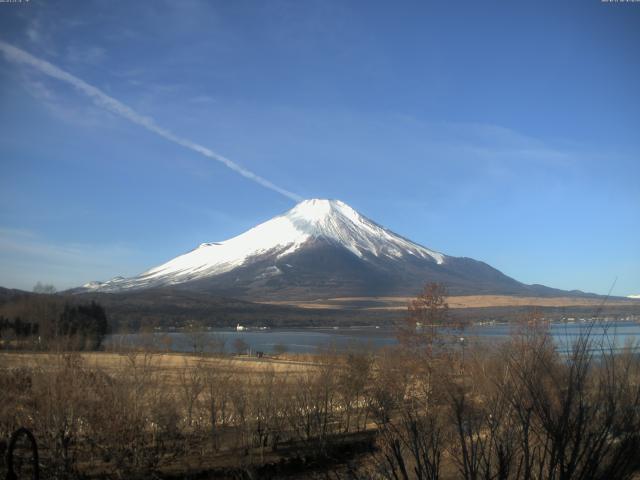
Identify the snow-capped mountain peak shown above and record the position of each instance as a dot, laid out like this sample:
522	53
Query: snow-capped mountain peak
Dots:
337	221
331	220
318	210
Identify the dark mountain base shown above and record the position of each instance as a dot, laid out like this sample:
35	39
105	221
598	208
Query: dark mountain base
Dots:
323	269
166	308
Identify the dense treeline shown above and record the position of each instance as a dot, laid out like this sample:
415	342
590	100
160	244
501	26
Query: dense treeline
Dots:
19	328
50	321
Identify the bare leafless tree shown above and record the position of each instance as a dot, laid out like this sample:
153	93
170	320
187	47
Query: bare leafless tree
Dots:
426	314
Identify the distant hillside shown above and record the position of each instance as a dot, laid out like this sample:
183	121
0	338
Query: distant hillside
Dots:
174	307
166	307
7	294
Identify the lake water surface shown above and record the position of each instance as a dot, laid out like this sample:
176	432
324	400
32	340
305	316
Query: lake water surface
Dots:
311	340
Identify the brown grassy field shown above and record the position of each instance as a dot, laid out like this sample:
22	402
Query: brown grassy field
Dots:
172	414
141	415
168	363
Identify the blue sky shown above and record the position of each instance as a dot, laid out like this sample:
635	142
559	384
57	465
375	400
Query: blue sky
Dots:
501	131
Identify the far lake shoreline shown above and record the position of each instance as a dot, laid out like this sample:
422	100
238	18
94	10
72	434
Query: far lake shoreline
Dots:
314	339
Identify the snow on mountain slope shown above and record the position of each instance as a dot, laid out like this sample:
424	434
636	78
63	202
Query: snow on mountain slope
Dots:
331	220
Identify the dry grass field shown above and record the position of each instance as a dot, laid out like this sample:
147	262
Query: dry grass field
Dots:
455	302
143	414
166	413
169	364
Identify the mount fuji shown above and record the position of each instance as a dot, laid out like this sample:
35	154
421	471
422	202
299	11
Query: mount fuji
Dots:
319	249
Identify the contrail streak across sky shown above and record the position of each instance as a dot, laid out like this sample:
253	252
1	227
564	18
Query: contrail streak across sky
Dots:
17	55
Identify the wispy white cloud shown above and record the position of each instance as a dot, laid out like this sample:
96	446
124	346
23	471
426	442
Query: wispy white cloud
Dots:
109	103
492	142
204	99
38	30
26	258
89	54
33	33
60	106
